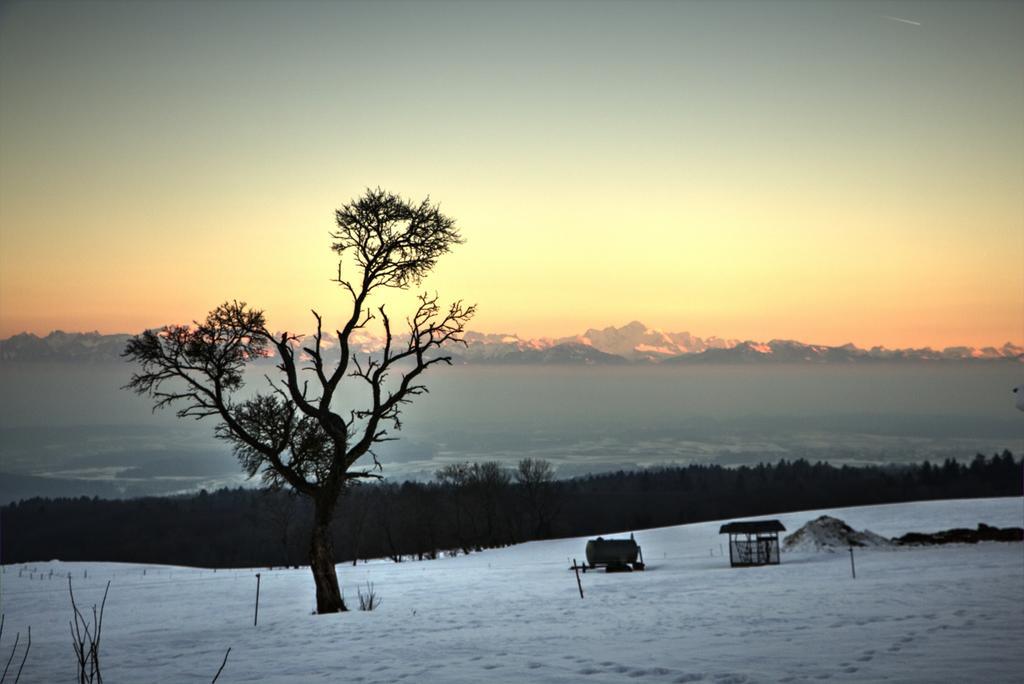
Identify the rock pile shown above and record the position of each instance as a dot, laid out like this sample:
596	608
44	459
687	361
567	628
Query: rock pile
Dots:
831	534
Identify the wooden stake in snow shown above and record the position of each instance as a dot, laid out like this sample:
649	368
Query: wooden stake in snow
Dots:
24	657
256	615
853	569
225	662
576	567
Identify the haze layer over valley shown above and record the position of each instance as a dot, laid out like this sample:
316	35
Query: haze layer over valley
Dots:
66	427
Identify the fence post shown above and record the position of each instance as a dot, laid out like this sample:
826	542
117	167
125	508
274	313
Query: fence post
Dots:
576	567
256	615
853	569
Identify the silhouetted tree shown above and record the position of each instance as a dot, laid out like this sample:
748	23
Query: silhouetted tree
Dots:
478	494
490	482
279	514
292	435
535	477
353	512
455	478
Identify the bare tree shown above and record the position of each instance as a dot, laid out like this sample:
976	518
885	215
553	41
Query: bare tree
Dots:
388	519
535	477
294	435
278	509
478	491
491	481
353	511
456	477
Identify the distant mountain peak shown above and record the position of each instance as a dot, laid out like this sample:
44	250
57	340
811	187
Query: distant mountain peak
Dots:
632	342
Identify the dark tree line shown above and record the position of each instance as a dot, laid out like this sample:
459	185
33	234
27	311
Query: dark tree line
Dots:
467	507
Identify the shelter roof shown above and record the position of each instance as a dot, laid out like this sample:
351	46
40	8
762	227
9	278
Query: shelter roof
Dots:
752	527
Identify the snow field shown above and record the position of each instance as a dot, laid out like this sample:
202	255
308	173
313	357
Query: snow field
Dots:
930	614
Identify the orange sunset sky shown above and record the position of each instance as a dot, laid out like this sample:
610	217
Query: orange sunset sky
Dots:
829	172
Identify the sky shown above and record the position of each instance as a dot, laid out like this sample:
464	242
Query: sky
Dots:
828	172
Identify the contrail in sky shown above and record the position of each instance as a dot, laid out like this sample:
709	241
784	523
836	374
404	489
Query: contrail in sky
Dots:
905	21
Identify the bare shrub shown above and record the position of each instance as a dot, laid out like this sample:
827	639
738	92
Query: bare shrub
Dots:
86	639
14	651
369	600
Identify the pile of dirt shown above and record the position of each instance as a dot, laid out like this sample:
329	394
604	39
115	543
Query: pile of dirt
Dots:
962	535
830	534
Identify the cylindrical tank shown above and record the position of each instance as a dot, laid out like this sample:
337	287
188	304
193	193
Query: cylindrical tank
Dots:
602	551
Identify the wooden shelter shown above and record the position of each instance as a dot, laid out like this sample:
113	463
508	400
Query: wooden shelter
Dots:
753	543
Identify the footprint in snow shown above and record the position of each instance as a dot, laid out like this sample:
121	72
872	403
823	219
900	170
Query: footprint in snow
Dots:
657	671
731	678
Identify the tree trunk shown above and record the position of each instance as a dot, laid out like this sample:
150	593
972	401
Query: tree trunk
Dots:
321	562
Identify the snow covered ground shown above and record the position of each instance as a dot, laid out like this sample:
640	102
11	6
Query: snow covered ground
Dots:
936	614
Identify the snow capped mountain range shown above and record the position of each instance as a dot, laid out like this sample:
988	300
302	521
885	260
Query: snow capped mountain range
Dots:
636	343
63	346
631	343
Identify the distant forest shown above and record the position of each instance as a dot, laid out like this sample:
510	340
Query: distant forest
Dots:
466	508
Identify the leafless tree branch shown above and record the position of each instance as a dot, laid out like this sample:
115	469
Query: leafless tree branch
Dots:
288	437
